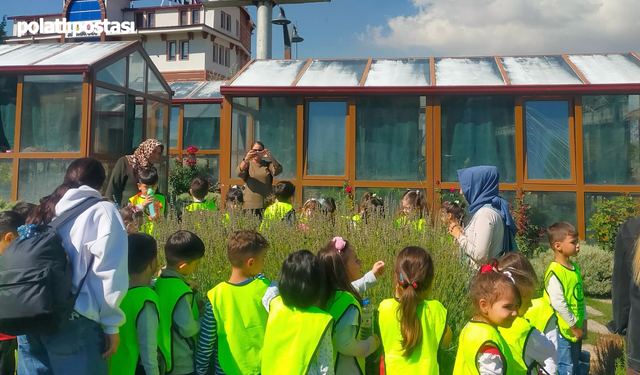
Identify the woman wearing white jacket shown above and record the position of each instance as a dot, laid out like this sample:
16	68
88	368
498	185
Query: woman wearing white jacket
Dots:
96	242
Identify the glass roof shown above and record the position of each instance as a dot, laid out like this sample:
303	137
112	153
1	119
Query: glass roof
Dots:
406	72
270	73
85	53
31	53
610	68
47	54
210	90
333	73
197	89
183	89
539	70
477	71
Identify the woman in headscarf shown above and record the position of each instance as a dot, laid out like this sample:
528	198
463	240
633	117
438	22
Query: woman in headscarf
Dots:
123	182
491	231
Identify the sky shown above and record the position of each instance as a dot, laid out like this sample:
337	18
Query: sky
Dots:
421	28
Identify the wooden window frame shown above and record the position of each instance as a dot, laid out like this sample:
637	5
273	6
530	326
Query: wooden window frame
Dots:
193	19
186	17
153	16
181	43
175	57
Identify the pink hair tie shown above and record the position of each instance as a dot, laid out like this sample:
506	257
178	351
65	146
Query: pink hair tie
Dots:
339	243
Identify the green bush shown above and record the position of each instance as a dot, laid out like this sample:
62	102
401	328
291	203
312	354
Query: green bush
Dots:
610	215
5	206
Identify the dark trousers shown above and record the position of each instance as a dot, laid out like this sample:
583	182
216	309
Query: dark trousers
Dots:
7	356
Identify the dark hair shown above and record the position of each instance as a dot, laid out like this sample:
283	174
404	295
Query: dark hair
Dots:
455	209
143	249
130	213
371	204
325	205
24	208
257	143
490	286
284	190
183	246
414	272
199	188
521	270
9	222
81	172
235	195
301	281
245	244
148	176
557	232
334	265
417	201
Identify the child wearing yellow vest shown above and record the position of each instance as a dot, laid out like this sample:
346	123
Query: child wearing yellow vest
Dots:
234	322
531	349
138	349
413	210
481	348
297	340
179	324
282	208
199	190
563	291
133	218
412	326
147	183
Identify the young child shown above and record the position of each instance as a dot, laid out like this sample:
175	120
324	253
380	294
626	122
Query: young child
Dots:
371	204
147	183
564	292
282	208
531	349
481	348
235	321
452	212
10	221
297	340
199	190
414	209
178	310
138	350
133	218
325	206
412	326
233	202
342	267
24	208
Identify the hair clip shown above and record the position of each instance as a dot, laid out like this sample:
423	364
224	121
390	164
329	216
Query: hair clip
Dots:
374	195
400	279
415	285
418	192
446	202
339	244
493	267
456	202
509	275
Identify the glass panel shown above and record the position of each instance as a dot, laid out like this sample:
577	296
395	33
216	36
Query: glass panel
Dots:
270	73
241	124
392	197
390	138
86	53
551	207
183	89
39	177
590	200
333	73
137	69
548	151
603	69
508	195
51	113
138	123
184	50
154	87
212	163
109	122
31	53
163	176
201	126
173	127
8	96
611	134
309	192
406	72
209	90
115	73
468	72
478	130
326	138
539	70
6	178
157	122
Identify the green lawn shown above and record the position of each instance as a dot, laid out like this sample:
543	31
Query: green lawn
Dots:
607	311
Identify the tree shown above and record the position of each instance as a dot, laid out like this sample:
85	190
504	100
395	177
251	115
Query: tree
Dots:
3	32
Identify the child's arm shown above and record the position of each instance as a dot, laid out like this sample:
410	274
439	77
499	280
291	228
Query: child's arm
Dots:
208	341
556	295
271	293
542	350
147	327
345	336
183	318
370	279
490	361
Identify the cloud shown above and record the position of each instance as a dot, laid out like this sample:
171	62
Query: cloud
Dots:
500	27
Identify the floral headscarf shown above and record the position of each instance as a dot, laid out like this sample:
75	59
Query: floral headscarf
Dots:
140	158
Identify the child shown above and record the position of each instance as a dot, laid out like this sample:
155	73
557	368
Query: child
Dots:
24	208
234	197
235	320
414	209
178	309
138	350
9	223
133	219
529	346
412	326
341	267
282	208
148	185
371	204
199	190
297	340
481	348
563	291
326	206
452	212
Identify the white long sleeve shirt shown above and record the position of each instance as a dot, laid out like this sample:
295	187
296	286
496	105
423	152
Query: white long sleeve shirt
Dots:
98	234
483	236
559	304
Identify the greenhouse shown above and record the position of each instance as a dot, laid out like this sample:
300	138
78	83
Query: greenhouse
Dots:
563	130
59	102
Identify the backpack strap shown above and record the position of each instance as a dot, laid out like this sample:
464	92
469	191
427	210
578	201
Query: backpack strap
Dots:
73	212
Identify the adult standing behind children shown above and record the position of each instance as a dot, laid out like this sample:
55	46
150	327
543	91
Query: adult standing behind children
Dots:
124	177
257	175
96	243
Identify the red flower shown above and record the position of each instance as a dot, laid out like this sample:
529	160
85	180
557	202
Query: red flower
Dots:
190	162
452	189
437	182
192	150
348	190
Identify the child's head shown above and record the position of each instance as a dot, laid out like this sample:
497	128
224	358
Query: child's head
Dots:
199	188
413	201
452	211
133	218
523	274
183	251
143	255
414	274
494	296
301	281
284	191
246	250
234	197
9	223
23	208
341	266
563	238
326	206
371	204
147	179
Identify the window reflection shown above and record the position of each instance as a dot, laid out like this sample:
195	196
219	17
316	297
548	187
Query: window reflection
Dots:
8	96
157	122
173	127
201	126
39	177
551	207
548	148
109	122
326	138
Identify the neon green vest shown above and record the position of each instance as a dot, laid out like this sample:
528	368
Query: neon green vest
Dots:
571	281
292	338
148	224
201	206
170	290
403	221
277	210
337	306
424	360
517	337
473	337
125	360
240	321
539	313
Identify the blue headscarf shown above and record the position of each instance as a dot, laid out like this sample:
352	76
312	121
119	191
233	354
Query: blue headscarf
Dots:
480	188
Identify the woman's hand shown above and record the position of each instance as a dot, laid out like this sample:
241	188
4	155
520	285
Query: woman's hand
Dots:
455	229
250	155
267	153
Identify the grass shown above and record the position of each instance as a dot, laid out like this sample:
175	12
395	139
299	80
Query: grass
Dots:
607	315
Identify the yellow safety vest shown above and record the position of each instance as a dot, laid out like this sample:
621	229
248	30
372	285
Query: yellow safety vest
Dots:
148	224
539	313
201	206
337	306
473	337
571	281
517	337
403	221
